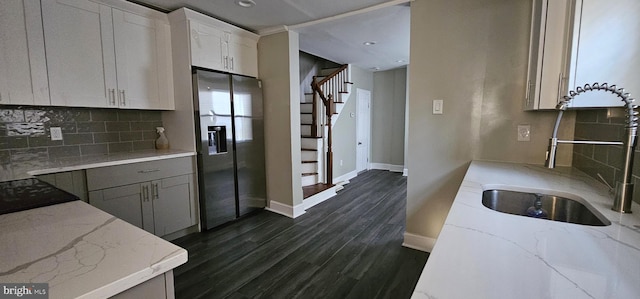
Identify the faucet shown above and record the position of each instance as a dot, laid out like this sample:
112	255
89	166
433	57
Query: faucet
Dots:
624	187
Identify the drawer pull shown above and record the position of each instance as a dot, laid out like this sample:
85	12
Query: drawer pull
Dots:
148	170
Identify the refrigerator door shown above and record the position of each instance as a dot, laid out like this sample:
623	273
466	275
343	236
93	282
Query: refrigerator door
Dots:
249	138
215	154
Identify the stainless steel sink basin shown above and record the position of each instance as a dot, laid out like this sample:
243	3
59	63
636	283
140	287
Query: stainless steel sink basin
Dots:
556	208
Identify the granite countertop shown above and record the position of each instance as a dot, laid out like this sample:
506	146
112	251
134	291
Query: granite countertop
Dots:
26	169
80	251
481	253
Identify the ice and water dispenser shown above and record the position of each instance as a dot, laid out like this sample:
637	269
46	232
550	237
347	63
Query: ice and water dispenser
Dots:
217	139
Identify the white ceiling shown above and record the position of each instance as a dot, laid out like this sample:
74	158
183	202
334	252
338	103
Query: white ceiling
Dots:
340	39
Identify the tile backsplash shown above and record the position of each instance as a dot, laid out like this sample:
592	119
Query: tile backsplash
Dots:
606	160
25	135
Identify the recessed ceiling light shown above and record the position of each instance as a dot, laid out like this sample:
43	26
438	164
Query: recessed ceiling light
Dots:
246	3
369	43
399	61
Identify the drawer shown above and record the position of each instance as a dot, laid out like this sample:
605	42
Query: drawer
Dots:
113	176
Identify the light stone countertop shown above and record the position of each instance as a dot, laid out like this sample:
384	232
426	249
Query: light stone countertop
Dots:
27	169
80	251
481	253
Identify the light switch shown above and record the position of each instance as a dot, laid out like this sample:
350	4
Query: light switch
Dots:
438	106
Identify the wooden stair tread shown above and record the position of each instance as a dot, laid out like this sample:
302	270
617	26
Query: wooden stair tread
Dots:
343	92
348	82
306	112
311	190
309	162
308	93
310	174
309	149
309	136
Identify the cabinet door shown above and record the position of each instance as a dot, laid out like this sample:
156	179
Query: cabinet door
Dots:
608	51
143	62
173	204
207	45
243	56
551	53
23	76
131	203
80	55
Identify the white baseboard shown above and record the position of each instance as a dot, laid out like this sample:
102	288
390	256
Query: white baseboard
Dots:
320	197
405	172
346	177
389	167
286	210
418	242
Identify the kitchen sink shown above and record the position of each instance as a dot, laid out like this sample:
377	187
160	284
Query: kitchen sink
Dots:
555	208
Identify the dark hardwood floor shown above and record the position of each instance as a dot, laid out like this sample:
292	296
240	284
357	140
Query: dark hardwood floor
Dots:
347	247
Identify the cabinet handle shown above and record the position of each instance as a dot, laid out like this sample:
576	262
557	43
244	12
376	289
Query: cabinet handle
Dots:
527	95
123	101
112	96
148	170
0	97
226	62
232	63
155	191
559	88
145	193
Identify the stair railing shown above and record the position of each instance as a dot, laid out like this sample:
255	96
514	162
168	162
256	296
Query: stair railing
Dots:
327	89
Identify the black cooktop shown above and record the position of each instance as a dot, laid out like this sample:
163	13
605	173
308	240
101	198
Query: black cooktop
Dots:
30	193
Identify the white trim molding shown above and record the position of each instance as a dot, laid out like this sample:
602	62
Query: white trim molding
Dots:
346	177
405	172
418	242
319	197
389	167
286	210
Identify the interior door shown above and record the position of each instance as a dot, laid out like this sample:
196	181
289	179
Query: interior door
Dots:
363	128
249	139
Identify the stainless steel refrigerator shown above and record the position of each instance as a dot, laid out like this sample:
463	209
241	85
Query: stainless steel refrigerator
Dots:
230	130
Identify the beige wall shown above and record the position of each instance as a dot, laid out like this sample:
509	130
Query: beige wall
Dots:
344	132
473	55
278	64
388	116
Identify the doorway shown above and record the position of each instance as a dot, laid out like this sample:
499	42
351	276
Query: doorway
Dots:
363	129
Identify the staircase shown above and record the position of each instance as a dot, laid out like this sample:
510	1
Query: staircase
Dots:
327	95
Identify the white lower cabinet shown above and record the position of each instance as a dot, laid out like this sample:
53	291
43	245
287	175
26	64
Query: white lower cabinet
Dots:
155	202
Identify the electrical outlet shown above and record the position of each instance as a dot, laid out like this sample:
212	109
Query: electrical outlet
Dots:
56	133
524	132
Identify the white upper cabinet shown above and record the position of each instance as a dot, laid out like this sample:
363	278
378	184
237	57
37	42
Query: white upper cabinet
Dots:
143	61
578	42
548	53
206	46
80	54
608	50
99	56
243	55
23	72
216	45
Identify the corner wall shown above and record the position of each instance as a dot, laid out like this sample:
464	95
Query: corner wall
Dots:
388	116
278	65
473	55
